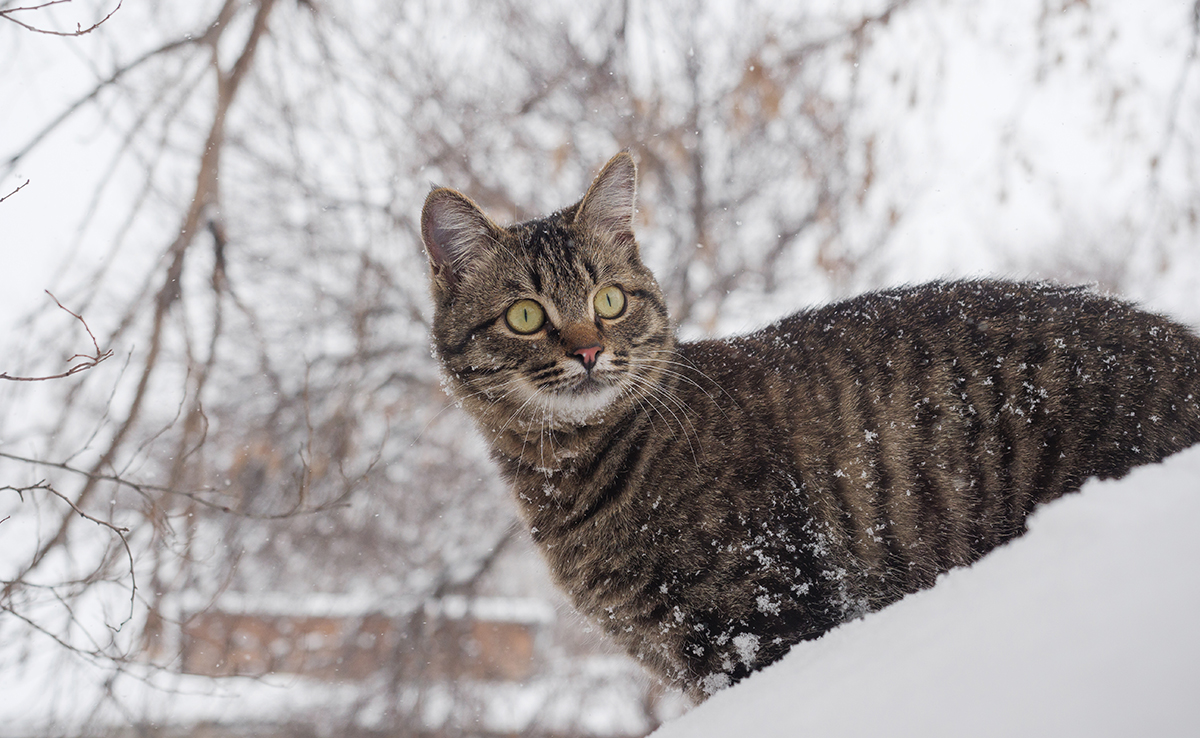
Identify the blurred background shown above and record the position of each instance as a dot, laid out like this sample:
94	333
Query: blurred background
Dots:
250	509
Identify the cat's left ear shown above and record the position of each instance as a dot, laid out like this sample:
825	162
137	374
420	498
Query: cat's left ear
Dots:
456	233
608	205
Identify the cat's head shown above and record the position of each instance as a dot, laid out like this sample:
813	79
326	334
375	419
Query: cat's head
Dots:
551	323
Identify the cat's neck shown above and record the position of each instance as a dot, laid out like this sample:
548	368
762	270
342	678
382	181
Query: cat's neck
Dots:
544	448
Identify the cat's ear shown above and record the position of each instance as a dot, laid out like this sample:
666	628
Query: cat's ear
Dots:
456	233
608	205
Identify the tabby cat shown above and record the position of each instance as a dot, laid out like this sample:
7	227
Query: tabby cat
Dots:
713	503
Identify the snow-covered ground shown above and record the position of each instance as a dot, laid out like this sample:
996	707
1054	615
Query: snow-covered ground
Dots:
1086	626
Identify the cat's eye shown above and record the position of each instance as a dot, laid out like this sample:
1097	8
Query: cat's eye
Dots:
610	302
525	316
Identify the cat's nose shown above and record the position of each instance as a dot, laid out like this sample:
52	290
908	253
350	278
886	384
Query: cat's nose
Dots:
588	355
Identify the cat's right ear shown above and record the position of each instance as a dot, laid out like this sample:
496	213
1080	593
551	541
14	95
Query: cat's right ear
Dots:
608	205
455	232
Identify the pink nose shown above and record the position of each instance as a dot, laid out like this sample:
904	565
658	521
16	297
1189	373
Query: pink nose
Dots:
588	355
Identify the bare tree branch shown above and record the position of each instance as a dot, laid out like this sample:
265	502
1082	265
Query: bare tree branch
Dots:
120	533
206	180
208	37
144	489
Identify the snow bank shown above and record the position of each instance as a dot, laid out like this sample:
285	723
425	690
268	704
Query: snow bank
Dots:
1086	626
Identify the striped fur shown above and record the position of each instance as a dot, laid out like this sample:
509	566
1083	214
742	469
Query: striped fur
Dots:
711	504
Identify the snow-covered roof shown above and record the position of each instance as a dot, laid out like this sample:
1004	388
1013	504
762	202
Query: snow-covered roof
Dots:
529	610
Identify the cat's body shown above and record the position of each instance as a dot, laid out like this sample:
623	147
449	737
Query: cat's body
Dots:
713	503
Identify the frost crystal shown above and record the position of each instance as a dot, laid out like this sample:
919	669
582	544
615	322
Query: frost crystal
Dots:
767	606
747	647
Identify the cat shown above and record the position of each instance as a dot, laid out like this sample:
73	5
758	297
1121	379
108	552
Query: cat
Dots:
713	503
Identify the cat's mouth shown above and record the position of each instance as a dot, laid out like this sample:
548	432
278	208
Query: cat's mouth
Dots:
587	385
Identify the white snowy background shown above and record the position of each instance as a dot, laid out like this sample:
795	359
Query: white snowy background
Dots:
790	154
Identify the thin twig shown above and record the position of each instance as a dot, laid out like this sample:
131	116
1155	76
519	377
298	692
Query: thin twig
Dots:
19	188
79	29
87	360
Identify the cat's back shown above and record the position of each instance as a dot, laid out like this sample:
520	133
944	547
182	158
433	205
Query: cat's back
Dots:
979	336
940	317
911	337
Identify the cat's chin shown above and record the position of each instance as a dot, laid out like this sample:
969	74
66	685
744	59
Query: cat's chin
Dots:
585	403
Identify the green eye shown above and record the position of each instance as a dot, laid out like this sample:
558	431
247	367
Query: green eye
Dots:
525	316
610	302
